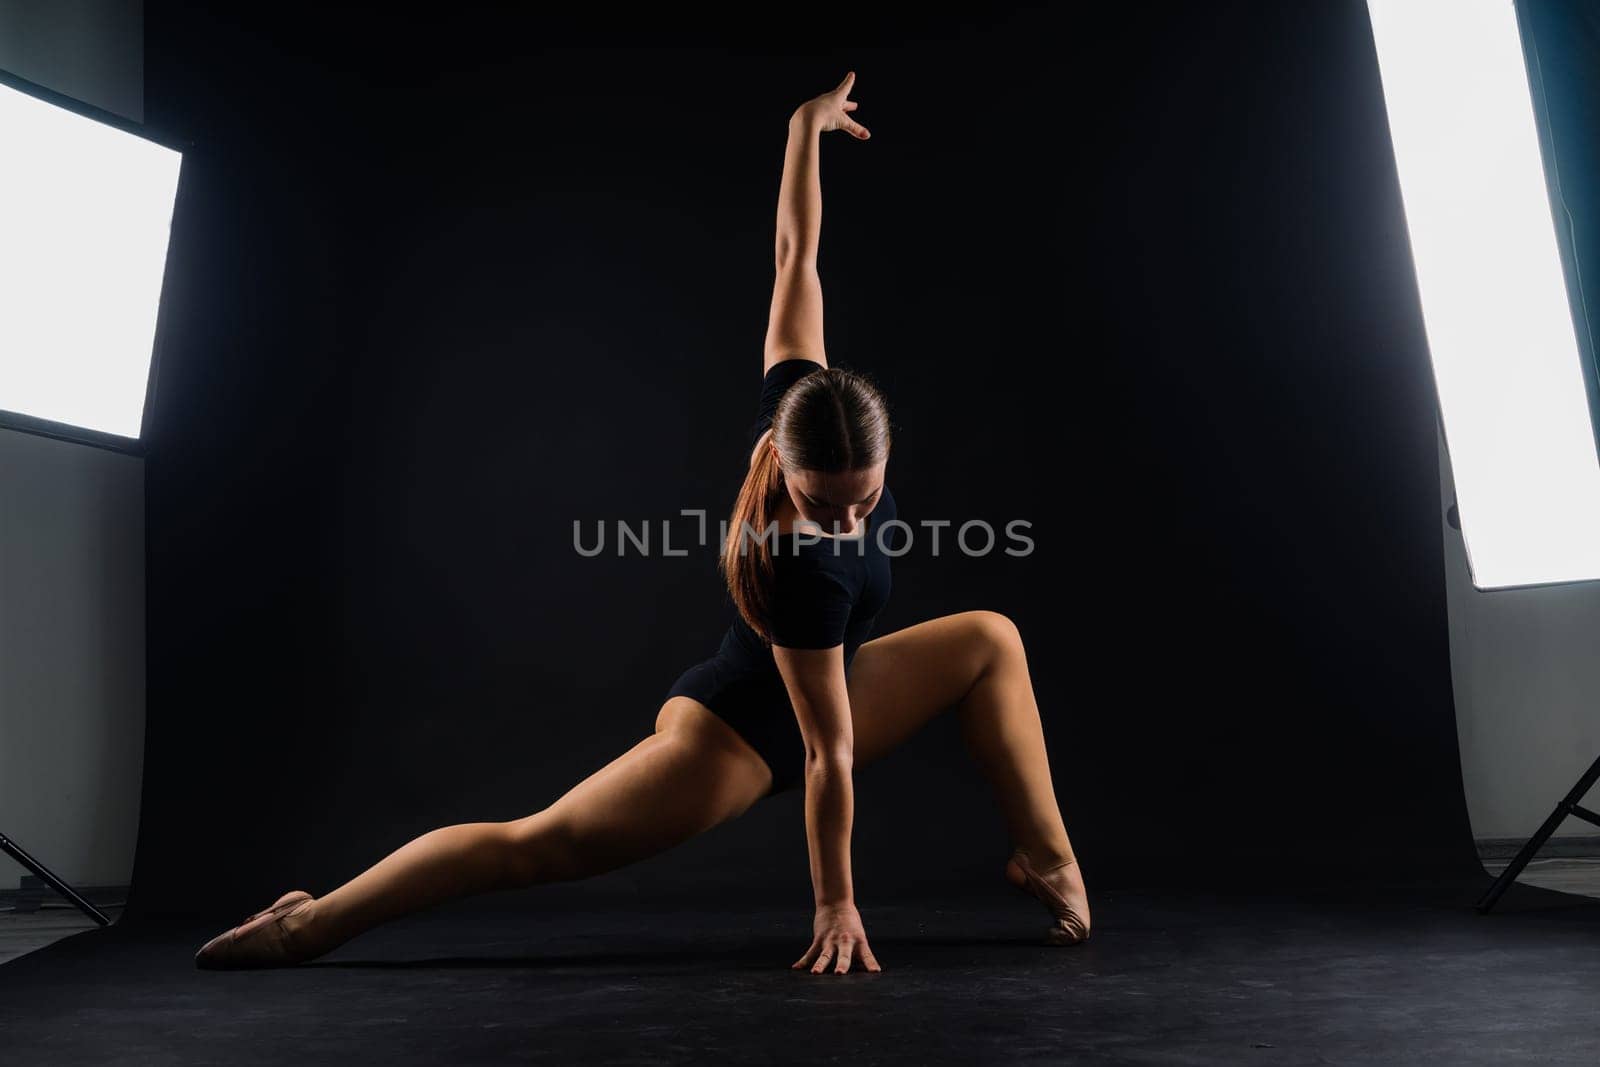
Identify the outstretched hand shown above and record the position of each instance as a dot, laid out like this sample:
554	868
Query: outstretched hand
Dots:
837	938
831	110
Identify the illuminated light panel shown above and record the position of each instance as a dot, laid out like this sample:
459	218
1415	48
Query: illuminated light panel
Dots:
1494	299
85	214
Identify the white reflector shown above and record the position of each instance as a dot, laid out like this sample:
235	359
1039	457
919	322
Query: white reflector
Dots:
85	212
1494	300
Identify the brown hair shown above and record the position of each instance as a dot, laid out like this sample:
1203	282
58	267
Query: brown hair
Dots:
830	420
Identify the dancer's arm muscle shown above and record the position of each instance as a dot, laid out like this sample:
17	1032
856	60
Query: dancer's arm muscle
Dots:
794	320
815	679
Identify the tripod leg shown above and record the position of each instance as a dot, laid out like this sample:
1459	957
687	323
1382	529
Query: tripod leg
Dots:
18	853
1536	842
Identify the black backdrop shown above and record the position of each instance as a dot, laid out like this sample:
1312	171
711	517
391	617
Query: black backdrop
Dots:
443	285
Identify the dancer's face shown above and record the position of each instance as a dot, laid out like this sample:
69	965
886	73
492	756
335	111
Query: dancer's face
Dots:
836	502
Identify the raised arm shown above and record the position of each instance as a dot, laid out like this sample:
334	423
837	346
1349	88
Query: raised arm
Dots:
794	321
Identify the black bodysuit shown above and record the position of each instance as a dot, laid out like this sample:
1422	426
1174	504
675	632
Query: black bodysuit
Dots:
826	591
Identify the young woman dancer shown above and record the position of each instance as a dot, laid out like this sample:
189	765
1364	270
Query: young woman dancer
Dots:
796	695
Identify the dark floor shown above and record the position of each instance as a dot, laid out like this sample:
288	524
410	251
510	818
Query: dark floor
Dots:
1398	976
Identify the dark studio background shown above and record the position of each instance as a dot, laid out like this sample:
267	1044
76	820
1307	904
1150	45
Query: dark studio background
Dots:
441	285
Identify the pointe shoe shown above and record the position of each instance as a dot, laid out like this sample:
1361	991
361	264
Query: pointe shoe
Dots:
1070	928
258	941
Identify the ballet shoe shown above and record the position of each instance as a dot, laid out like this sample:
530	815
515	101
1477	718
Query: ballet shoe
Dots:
259	941
1070	928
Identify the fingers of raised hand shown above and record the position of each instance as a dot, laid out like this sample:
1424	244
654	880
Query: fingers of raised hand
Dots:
849	125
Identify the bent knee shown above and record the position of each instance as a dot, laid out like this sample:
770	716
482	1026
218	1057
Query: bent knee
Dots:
997	631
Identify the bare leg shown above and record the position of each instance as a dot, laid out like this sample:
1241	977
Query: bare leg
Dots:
690	775
1001	727
973	662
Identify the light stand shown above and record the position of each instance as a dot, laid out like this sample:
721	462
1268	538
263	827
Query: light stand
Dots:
1569	806
18	853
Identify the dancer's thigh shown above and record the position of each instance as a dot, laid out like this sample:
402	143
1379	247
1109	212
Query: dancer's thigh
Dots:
693	773
900	681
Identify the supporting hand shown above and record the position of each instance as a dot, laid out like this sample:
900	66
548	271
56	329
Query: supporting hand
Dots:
837	938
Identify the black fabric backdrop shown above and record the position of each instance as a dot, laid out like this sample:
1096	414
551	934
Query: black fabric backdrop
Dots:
443	285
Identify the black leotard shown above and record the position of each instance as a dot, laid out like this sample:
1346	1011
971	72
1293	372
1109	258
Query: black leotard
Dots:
826	591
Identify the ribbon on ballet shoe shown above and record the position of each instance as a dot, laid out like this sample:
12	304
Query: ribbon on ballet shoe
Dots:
291	895
238	947
1070	928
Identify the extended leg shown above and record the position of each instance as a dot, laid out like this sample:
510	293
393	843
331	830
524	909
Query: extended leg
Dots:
690	775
